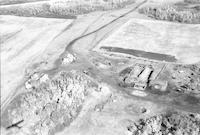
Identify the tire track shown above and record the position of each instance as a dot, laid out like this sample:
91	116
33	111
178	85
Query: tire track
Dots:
69	46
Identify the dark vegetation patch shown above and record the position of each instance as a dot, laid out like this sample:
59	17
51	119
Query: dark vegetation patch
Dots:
48	108
186	78
171	123
62	9
180	12
40	10
192	1
10	2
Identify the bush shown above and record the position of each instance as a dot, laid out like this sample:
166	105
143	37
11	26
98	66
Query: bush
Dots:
172	123
50	106
192	1
172	13
63	8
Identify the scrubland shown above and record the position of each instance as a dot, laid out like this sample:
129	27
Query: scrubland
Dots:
174	13
62	8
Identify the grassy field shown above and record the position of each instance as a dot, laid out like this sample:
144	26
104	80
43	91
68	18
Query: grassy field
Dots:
160	37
